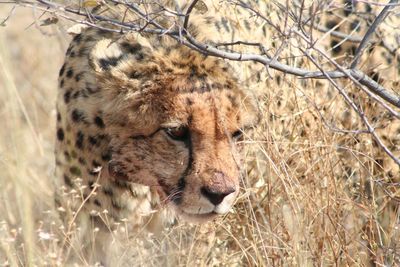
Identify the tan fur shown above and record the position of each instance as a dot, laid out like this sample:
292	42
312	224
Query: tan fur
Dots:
117	97
117	94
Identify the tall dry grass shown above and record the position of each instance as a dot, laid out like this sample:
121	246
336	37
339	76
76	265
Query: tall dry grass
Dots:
310	196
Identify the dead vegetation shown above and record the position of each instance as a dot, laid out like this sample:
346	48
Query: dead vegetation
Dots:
319	187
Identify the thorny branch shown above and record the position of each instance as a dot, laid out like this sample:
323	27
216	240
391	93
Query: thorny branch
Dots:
181	33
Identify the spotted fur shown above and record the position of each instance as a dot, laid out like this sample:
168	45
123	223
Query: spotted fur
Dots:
120	93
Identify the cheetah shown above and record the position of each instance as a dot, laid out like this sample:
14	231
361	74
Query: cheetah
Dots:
144	122
147	130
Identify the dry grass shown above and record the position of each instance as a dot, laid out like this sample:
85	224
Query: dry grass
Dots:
311	197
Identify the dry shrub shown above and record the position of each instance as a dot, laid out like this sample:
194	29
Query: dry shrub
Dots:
312	195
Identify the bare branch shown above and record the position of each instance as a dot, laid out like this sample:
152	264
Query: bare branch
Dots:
371	129
181	34
366	39
187	15
344	36
208	49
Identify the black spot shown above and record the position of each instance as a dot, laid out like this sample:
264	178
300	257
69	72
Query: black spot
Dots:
68	181
233	100
247	25
70	72
368	8
67	97
218	26
139	56
107	63
193	71
389	60
108	191
84	51
92	140
77	39
106	156
348	7
77	94
131	48
58	116
228	85
134	75
60	134
74	154
79	76
224	22
347	11
168	51
79	140
82	161
62	70
330	24
72	54
218	86
278	80
103	32
99	122
77	115
93	172
62	83
264	30
101	136
75	171
97	202
205	88
96	164
67	156
354	25
353	49
335	47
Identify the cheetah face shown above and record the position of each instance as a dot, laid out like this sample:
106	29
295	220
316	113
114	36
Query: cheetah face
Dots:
186	146
175	125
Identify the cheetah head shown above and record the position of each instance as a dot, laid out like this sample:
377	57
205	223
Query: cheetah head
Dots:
176	120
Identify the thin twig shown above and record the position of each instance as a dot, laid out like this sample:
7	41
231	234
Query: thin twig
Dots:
187	15
191	42
3	23
366	39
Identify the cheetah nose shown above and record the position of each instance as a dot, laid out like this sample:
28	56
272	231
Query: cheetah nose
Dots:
216	196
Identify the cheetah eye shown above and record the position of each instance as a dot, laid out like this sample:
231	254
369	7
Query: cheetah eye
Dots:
178	133
238	135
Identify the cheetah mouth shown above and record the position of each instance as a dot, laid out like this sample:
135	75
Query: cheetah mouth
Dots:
198	217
